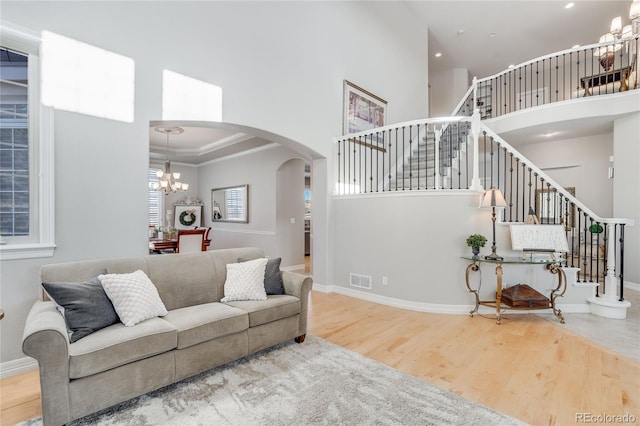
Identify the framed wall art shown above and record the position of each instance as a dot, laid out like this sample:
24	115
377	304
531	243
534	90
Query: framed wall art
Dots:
362	109
230	204
187	217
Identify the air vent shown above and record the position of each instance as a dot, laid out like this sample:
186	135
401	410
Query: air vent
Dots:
360	281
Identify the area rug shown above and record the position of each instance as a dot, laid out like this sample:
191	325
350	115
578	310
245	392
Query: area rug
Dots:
313	383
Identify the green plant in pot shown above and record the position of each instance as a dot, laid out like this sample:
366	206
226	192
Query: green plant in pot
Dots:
476	241
596	228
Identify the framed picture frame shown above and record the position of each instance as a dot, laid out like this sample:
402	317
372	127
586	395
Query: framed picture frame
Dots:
550	207
187	216
230	204
362	110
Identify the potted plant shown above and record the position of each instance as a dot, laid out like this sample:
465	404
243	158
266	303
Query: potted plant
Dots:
476	241
596	228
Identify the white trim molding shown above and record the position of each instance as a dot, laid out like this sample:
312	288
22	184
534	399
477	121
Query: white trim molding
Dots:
436	308
41	133
17	366
244	231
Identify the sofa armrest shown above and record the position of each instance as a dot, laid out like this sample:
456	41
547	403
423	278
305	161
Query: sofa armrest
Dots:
45	339
299	286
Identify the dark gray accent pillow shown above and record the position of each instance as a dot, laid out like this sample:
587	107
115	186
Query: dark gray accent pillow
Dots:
272	278
85	306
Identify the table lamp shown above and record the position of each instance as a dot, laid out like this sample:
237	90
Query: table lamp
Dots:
493	198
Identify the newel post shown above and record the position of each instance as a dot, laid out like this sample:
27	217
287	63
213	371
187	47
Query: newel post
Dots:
475	135
610	305
610	280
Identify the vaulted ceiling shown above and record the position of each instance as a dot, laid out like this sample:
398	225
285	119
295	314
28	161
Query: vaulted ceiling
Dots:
484	37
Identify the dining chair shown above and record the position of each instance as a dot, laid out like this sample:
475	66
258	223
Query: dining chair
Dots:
190	240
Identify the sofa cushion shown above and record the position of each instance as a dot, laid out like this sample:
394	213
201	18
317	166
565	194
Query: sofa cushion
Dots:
274	308
272	276
84	306
118	345
245	281
199	323
134	297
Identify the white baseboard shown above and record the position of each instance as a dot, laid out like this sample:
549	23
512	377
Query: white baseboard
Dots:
631	286
17	366
435	308
292	267
396	303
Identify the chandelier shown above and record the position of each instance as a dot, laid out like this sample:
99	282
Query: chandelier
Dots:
168	182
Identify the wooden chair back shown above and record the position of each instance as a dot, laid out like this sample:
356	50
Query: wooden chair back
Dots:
190	240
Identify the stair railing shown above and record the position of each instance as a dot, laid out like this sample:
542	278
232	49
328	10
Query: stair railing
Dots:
596	244
404	157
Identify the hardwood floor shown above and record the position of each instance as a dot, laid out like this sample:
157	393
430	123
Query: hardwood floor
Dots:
528	368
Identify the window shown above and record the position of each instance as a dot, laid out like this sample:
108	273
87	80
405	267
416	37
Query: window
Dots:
235	202
82	78
156	200
26	150
14	144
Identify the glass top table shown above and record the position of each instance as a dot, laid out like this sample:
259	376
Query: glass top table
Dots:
515	260
554	266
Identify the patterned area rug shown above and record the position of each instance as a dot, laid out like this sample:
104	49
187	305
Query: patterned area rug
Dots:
313	383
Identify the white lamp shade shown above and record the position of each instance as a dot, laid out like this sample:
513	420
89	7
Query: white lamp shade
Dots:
634	12
627	32
185	186
616	25
493	198
176	175
606	38
159	173
164	184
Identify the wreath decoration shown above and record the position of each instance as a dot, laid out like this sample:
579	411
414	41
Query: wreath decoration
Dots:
187	217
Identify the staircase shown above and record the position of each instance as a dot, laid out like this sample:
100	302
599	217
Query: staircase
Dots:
447	145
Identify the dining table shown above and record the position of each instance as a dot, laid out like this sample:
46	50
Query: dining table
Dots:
157	245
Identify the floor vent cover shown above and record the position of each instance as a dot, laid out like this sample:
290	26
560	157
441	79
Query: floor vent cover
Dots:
360	281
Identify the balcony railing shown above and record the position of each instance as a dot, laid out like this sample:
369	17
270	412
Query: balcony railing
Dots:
569	74
418	155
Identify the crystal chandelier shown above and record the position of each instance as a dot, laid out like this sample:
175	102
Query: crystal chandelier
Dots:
168	182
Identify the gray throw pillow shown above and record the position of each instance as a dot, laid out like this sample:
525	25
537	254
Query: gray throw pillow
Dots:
272	278
85	306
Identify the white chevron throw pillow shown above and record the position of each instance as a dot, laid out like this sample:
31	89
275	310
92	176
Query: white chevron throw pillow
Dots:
134	297
245	281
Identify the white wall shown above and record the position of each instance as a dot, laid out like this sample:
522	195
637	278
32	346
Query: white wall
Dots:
405	240
447	89
582	163
626	189
260	171
281	66
289	206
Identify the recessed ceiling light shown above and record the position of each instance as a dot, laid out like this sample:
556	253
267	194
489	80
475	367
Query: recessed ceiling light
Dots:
549	134
492	35
511	66
460	32
438	54
575	46
569	5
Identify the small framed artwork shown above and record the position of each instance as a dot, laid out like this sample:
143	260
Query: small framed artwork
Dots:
187	217
362	109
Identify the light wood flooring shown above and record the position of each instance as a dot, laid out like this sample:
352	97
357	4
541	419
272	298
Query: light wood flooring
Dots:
528	368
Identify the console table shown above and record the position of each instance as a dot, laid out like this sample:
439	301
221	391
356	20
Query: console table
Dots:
553	266
589	82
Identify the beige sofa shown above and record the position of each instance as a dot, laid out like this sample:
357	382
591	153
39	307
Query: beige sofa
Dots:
117	363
